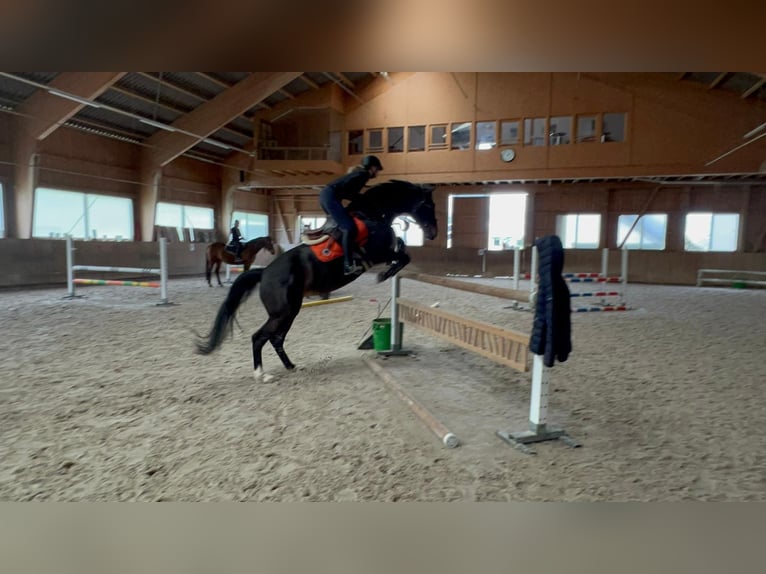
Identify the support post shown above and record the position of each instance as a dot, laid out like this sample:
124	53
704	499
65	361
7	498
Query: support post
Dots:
538	414
516	267
605	262
163	271
396	343
395	340
70	268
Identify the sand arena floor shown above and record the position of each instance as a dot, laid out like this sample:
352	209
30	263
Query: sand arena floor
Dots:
103	399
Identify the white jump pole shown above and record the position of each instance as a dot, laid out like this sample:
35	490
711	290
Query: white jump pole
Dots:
624	268
516	267
70	267
396	343
163	271
483	254
538	404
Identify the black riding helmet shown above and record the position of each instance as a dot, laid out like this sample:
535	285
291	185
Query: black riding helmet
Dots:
372	161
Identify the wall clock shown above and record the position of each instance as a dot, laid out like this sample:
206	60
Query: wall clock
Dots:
507	154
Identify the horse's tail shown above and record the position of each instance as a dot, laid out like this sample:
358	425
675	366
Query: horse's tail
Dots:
240	290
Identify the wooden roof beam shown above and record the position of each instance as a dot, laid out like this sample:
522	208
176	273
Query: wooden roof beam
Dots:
50	111
213	114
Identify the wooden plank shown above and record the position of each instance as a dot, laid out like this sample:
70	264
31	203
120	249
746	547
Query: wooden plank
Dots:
469	334
435	425
501	292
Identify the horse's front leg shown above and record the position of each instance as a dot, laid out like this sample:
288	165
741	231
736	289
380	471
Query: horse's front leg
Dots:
400	261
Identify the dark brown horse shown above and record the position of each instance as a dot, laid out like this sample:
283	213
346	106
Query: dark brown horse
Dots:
298	272
217	254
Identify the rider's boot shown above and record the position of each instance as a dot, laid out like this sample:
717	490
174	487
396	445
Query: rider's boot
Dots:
349	266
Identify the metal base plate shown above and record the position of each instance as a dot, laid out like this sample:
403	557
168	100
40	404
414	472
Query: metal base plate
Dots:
520	440
395	353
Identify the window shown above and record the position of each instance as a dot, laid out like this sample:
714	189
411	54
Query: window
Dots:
534	131
486	136
579	230
586	129
507	220
561	130
355	141
410	232
613	129
251	224
509	132
58	213
395	140
416	138
649	232
180	216
375	140
711	232
2	212
311	221
461	136
438	137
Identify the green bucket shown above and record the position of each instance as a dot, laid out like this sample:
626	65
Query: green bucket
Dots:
381	333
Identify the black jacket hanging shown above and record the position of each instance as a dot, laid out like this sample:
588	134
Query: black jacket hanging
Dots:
552	328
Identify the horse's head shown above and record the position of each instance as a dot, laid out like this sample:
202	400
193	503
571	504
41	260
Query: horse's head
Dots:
424	212
396	197
268	244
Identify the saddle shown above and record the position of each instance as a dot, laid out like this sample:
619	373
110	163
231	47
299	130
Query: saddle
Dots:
321	234
233	251
325	241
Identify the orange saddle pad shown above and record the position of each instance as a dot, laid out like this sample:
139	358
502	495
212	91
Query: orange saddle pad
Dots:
331	249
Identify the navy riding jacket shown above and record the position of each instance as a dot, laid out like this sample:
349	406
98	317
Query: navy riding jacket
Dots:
347	187
552	329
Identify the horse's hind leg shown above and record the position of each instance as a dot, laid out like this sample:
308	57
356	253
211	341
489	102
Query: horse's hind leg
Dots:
217	272
259	339
277	341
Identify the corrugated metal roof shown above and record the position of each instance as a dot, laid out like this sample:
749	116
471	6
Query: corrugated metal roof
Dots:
151	88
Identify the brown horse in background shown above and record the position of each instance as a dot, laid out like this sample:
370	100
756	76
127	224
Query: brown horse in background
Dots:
217	254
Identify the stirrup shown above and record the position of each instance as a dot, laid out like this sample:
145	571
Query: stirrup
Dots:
352	269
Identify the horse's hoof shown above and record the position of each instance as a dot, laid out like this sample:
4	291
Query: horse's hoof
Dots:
262	377
381	277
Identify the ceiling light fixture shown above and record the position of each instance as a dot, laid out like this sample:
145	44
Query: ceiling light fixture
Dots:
216	143
754	131
73	98
159	125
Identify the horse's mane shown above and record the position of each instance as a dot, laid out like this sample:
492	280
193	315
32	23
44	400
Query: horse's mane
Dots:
399	185
386	197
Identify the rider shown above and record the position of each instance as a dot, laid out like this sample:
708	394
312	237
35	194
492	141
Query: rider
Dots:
236	239
348	187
